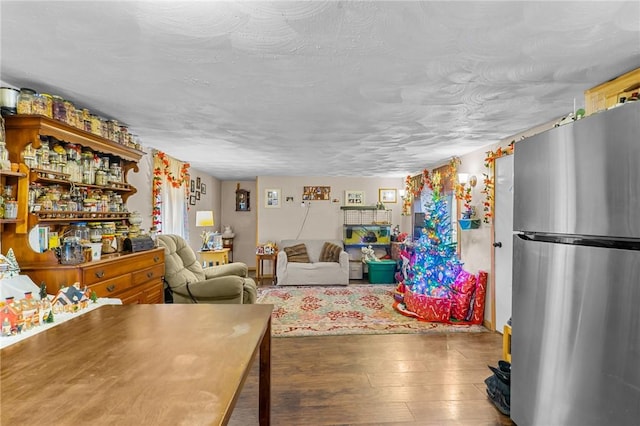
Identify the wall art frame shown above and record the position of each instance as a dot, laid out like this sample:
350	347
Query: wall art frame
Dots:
272	198
388	195
316	193
353	198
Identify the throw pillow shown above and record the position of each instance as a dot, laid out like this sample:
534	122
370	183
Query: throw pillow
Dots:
330	253
297	253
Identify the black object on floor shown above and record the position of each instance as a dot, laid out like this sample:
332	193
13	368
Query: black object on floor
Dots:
499	387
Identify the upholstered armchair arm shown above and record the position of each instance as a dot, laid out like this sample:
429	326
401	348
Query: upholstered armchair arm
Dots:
344	260
281	263
238	269
215	290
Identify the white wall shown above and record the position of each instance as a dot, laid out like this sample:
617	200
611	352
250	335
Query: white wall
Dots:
142	201
243	223
211	200
321	219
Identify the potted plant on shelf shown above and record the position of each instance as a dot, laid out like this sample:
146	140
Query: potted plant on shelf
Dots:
468	220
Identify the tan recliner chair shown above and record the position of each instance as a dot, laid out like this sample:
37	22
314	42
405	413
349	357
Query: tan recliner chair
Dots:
189	282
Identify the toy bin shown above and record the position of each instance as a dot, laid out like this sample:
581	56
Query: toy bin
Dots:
382	272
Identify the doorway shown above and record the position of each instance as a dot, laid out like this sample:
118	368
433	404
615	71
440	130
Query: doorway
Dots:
503	240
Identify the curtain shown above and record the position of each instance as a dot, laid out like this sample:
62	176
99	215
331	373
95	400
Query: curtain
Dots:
170	194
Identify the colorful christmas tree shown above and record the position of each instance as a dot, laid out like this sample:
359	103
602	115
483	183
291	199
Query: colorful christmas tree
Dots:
434	263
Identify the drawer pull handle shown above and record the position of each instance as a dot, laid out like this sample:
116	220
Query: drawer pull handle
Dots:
149	274
110	288
100	274
156	259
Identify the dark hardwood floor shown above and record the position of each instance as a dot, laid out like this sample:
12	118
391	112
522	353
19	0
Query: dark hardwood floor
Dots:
403	379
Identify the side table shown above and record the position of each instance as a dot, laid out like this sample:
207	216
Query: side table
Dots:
260	275
214	257
228	244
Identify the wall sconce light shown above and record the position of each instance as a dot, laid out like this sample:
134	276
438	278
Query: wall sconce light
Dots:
464	178
402	193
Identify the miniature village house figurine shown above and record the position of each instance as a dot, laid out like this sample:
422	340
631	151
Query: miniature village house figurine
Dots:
17	316
71	299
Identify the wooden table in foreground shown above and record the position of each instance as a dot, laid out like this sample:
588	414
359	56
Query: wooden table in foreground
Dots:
139	365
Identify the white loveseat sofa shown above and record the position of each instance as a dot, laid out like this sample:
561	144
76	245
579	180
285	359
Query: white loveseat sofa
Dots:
316	272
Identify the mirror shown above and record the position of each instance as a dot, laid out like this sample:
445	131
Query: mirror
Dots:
39	238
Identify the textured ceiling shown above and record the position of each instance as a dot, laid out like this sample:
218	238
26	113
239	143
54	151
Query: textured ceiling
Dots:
245	89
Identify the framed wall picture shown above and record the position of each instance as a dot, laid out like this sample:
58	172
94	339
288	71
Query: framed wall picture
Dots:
272	198
316	193
193	185
353	198
192	200
197	195
203	188
198	183
388	195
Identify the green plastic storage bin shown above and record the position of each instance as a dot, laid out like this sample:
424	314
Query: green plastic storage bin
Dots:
382	272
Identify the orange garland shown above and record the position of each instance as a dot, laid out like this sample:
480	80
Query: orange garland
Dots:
413	188
489	184
415	184
175	181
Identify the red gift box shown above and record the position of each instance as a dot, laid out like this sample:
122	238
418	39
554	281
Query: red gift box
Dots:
428	308
461	295
478	298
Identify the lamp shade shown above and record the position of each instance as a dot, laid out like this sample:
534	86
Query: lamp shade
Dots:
204	218
463	178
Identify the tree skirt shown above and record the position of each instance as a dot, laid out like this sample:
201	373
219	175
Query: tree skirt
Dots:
338	310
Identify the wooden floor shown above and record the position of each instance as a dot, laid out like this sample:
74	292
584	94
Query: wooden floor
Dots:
403	379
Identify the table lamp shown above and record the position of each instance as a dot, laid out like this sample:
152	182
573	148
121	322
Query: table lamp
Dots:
204	218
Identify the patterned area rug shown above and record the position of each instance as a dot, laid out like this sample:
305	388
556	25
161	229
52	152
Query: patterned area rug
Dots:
354	309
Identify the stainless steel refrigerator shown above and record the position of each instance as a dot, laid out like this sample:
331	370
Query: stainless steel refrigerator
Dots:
576	273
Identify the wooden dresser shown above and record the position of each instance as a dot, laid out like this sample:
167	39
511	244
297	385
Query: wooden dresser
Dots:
131	277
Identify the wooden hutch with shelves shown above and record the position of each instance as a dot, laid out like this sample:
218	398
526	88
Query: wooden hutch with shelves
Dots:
132	277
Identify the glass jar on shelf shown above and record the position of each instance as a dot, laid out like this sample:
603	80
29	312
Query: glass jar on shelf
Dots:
70	113
48	102
39	105
86	116
104	163
101	178
25	101
72	168
95	232
44	153
80	231
96	125
5	164
59	110
104	127
29	156
88	171
112	125
79	119
10	209
34	193
122	136
116	172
